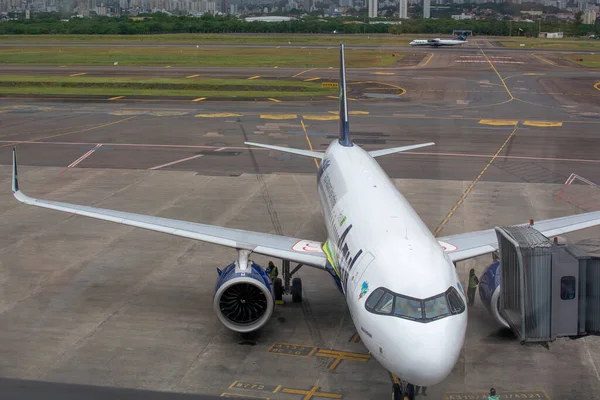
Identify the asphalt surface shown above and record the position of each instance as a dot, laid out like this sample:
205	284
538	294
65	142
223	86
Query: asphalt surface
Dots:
99	309
471	45
469	113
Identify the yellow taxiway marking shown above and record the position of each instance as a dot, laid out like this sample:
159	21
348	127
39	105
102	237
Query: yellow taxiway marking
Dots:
313	392
544	60
351	112
254	77
192	76
278	116
311	79
303	72
466	193
72	132
168	66
276	66
79	74
597	86
62	66
309	143
426	62
199	99
498	122
512	394
275	100
320	117
342	355
218	115
333	97
384	73
116	98
543	124
497	73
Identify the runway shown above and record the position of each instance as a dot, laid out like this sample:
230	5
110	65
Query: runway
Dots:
92	303
473	44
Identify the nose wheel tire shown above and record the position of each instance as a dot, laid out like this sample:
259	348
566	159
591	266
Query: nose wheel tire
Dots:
410	392
396	392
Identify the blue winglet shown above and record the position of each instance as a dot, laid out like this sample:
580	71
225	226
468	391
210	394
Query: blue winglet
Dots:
344	126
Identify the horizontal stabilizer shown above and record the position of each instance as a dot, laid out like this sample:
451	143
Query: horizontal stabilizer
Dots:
306	153
383	152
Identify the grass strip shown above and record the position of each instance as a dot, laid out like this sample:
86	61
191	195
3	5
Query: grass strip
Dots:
193	56
119	86
153	92
163	83
553	44
588	60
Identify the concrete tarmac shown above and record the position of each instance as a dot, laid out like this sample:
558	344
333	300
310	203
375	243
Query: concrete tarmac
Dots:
92	303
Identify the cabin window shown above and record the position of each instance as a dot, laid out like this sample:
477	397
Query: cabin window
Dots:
405	307
385	304
382	301
455	302
374	299
436	307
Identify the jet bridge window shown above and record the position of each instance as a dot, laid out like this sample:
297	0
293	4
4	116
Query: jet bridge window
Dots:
383	302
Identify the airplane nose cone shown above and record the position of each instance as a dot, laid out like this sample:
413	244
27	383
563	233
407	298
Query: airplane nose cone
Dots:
428	355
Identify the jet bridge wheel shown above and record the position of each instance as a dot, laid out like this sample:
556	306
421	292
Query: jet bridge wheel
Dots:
396	392
296	290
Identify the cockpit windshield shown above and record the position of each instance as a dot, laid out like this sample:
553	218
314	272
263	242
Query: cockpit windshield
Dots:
384	302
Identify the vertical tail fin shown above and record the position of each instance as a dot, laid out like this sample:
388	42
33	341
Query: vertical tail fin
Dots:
344	126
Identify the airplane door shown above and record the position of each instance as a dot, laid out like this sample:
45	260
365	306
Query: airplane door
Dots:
359	269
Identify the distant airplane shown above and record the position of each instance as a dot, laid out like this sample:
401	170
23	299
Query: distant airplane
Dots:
400	282
462	39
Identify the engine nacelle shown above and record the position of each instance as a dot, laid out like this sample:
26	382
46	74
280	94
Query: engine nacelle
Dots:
243	300
489	291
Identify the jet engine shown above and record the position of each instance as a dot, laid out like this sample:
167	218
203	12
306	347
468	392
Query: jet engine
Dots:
243	299
489	291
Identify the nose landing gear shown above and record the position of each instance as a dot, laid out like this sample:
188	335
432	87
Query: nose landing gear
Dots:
398	393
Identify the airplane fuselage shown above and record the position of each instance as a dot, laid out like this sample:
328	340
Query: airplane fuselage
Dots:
376	240
437	43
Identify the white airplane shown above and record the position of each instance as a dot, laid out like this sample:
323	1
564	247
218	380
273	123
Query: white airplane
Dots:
400	283
462	39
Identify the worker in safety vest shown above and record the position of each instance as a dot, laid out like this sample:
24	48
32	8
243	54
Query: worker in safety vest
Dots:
492	395
473	282
272	271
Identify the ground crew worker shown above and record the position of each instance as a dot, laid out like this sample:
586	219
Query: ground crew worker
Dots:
492	395
473	282
272	271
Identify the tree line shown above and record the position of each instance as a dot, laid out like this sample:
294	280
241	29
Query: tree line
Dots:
51	23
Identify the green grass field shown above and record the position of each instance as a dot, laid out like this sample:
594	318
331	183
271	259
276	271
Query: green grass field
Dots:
589	60
159	87
552	44
192	56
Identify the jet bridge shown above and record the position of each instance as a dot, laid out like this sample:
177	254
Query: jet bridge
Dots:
542	289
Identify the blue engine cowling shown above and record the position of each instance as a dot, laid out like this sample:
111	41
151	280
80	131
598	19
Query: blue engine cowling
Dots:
243	300
489	291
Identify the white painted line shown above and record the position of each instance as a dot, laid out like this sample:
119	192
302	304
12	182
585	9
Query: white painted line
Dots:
83	157
221	149
177	161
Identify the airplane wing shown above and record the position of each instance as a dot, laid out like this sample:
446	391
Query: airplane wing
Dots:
468	245
306	252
